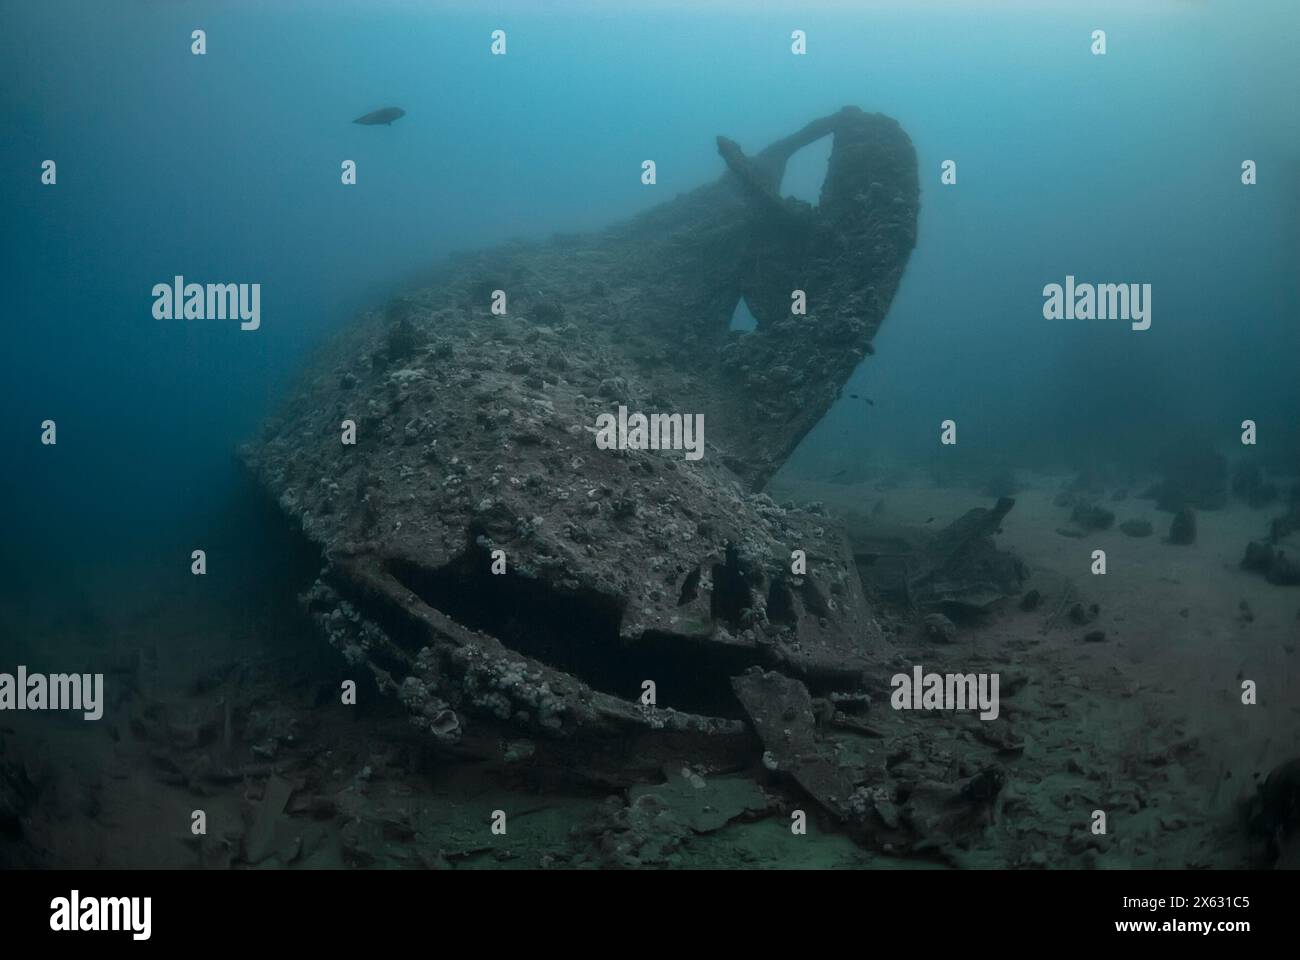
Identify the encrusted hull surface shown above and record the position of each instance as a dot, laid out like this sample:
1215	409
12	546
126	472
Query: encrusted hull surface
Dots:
491	564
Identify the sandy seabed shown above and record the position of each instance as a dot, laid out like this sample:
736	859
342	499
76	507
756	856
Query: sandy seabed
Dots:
1147	724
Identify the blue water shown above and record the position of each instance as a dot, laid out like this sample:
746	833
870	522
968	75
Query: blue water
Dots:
225	168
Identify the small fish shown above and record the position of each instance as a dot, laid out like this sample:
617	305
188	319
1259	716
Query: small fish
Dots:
385	116
931	520
868	399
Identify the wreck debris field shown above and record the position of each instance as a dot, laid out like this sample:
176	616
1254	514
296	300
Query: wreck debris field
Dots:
726	438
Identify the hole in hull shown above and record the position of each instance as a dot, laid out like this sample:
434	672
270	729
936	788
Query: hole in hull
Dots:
780	603
577	632
690	588
742	319
805	171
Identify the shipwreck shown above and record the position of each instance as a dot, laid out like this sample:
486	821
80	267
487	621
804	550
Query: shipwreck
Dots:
503	576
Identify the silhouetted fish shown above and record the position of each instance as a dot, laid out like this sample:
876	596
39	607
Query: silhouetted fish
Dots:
384	116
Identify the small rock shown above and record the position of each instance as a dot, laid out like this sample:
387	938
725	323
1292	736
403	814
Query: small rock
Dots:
939	628
1084	615
1259	557
1183	529
1091	517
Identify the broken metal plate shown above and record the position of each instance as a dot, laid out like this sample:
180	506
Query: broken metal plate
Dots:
959	571
782	711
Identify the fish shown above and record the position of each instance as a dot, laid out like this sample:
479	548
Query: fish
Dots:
385	116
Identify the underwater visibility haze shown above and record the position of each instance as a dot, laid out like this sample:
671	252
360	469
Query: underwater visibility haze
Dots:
710	435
